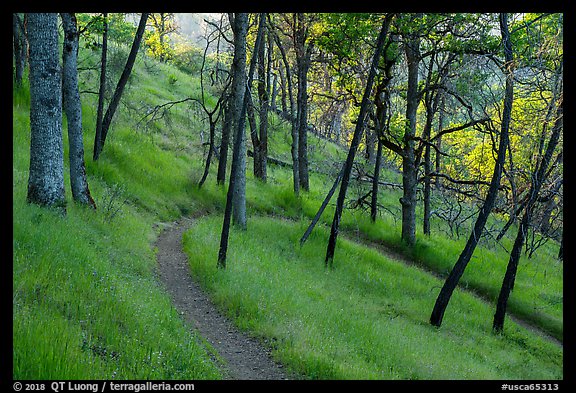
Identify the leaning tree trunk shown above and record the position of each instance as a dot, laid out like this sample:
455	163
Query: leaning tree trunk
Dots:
537	181
356	138
46	177
73	109
322	208
458	269
99	143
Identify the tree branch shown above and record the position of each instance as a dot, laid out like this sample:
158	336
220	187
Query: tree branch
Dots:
458	128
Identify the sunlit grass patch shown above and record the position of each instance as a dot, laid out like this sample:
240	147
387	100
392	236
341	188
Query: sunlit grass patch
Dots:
365	318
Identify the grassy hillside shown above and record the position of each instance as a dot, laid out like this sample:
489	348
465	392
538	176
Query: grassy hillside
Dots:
86	301
362	320
87	304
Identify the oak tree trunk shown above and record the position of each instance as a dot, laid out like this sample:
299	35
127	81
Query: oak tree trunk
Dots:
73	109
46	177
20	48
409	169
356	138
102	87
303	53
99	145
238	91
537	181
240	22
458	269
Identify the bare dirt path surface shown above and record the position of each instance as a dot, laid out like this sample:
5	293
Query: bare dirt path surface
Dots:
245	358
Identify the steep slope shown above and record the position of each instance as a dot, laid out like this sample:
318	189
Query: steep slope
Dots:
86	282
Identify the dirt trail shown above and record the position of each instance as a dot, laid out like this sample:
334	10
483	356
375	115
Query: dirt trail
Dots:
245	358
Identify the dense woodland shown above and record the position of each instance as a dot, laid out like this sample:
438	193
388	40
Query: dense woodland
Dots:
437	138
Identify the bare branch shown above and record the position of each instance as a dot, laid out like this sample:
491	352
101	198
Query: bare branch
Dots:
459	128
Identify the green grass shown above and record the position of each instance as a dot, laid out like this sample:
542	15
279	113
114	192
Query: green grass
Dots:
537	296
365	319
87	303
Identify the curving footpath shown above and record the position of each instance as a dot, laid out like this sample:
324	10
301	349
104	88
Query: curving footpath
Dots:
242	357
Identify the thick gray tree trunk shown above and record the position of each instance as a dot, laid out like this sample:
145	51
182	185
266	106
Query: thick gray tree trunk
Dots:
302	124
73	109
46	178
